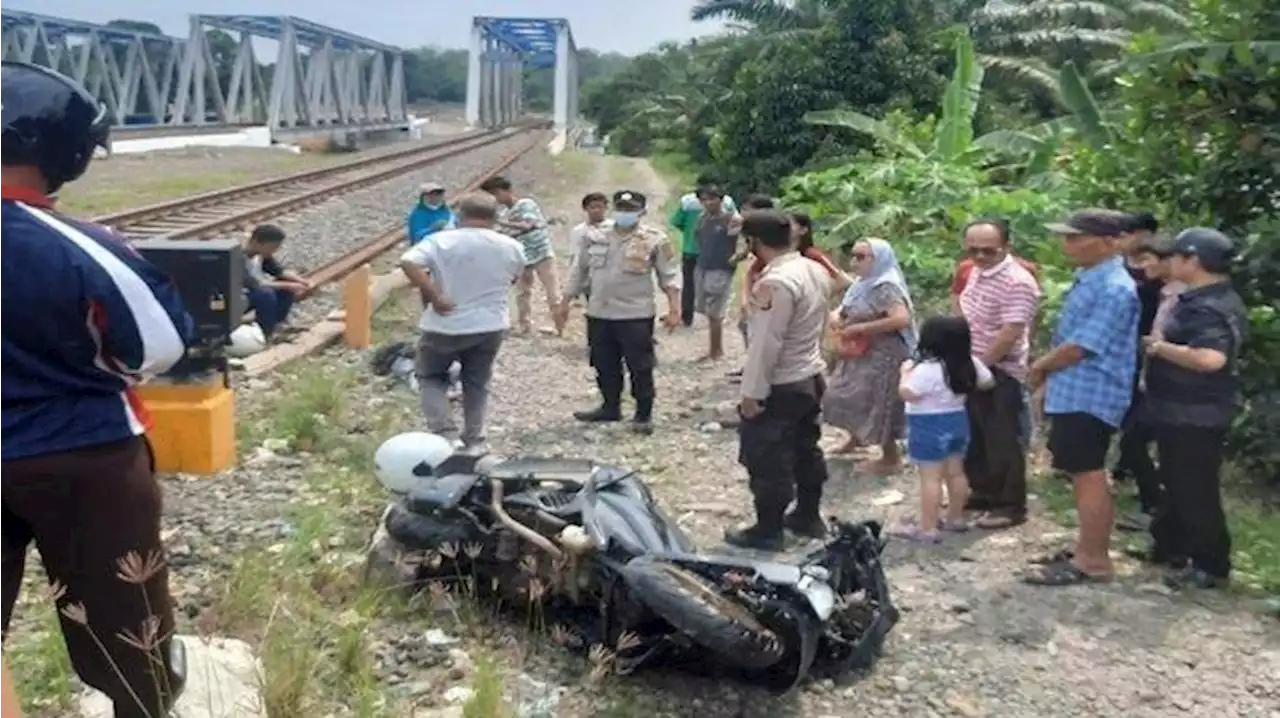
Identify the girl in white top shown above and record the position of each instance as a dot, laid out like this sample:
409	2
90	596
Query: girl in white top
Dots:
934	386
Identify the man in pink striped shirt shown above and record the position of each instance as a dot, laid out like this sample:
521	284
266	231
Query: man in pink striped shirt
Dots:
1000	301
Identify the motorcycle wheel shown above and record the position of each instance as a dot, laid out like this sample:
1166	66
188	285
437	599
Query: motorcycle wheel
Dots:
425	533
798	631
695	608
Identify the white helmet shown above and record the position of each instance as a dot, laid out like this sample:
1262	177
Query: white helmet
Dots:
246	340
406	460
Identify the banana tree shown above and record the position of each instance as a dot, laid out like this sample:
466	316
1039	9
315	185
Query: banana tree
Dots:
953	138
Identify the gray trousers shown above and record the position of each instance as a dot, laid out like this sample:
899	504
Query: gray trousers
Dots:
475	353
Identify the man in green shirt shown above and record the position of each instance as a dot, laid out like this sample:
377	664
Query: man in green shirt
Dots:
685	218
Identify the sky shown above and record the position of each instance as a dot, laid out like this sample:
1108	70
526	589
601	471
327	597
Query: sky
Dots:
606	25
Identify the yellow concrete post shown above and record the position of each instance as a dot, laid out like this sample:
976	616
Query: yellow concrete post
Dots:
193	424
357	305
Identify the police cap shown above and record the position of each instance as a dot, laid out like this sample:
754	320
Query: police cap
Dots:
629	198
50	122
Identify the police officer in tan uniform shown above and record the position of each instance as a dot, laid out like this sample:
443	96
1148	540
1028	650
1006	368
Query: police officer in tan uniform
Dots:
782	387
616	269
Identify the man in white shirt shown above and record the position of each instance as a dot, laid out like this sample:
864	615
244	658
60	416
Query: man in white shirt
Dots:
465	275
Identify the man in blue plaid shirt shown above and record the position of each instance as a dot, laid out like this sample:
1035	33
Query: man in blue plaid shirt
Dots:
1087	384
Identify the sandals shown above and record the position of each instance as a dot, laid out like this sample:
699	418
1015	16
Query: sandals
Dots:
915	534
944	524
1063	573
1060	556
995	522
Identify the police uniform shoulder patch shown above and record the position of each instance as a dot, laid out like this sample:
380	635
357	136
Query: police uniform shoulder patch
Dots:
762	296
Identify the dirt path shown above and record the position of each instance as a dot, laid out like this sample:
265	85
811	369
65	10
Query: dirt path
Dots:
973	641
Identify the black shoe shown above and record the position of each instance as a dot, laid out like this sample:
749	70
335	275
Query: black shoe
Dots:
810	525
642	426
754	537
1192	577
599	415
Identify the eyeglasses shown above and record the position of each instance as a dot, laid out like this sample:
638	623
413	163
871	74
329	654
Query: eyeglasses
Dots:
858	256
982	251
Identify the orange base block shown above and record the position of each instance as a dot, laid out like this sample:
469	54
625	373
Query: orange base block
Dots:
194	428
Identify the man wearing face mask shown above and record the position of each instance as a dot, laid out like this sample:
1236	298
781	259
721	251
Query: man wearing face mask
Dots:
430	214
616	268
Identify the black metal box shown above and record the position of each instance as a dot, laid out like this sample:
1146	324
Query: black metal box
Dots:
209	275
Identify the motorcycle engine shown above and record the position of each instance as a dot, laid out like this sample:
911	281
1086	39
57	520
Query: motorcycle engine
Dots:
526	573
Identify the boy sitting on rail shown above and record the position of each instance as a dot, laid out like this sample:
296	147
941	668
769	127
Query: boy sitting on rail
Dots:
270	288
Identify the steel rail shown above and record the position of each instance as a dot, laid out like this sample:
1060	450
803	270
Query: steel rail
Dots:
206	214
337	269
364	253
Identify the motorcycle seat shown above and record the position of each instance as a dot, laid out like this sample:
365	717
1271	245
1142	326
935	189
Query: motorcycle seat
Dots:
442	494
537	468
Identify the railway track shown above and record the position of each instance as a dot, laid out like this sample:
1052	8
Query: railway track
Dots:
369	250
338	268
222	211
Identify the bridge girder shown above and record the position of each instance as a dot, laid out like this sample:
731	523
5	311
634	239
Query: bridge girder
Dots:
501	48
321	77
133	73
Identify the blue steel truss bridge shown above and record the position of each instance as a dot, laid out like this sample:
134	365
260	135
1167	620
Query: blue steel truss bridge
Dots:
319	79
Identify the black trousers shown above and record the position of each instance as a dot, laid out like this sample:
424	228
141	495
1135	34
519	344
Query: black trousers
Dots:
86	510
613	342
688	267
1190	522
1135	461
780	451
996	463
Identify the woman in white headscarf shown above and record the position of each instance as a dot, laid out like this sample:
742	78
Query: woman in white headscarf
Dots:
875	331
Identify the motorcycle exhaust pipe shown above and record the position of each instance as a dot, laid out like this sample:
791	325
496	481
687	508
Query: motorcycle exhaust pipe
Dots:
520	529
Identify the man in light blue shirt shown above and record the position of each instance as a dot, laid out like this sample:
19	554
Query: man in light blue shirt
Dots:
465	277
1086	384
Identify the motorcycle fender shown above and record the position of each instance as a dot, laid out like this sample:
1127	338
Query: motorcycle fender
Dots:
808	582
821	597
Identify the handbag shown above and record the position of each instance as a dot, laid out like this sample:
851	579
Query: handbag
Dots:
853	347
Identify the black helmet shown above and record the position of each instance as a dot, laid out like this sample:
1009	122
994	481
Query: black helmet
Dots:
50	122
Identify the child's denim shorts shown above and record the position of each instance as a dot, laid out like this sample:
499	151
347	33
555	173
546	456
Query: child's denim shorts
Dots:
935	437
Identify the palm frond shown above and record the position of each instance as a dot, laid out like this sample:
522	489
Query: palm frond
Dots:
1034	40
734	10
1100	13
762	14
1028	70
1246	53
1163	14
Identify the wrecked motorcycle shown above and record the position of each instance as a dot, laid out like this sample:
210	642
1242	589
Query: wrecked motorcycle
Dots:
592	541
